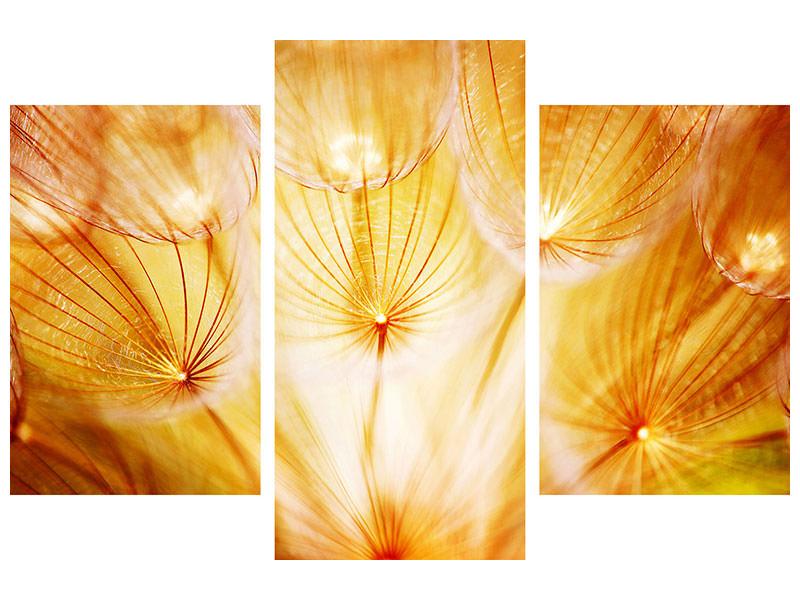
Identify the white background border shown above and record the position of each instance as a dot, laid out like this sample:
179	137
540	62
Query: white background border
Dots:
223	547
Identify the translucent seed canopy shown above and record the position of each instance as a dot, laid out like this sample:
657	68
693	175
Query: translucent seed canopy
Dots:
350	114
249	118
489	131
607	174
156	173
399	316
741	196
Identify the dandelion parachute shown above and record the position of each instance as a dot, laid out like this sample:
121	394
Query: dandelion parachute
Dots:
676	390
131	330
399	376
390	269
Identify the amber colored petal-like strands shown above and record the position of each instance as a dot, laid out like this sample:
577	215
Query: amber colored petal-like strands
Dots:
399	413
134	302
444	473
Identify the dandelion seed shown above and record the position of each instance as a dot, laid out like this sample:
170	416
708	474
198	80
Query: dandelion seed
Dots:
398	430
138	362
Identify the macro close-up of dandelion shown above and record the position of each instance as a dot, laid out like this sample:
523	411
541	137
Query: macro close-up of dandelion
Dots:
611	418
400	237
135	299
664	257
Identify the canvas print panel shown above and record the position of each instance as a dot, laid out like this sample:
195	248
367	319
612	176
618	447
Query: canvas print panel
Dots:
664	256
400	291
134	299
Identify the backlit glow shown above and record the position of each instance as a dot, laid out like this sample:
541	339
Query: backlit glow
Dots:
762	253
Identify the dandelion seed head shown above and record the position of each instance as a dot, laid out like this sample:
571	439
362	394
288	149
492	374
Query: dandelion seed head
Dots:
374	268
490	138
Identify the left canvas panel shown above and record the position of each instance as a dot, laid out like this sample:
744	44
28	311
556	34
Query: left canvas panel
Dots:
135	282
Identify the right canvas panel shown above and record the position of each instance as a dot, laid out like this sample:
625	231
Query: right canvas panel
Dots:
664	299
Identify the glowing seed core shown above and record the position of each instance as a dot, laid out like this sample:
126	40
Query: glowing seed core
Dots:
643	433
182	376
380	319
